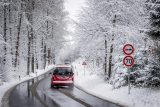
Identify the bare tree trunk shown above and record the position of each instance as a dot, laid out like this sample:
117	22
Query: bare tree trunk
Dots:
110	60
105	63
54	59
36	55
28	58
49	56
37	66
32	47
44	56
111	50
5	32
33	63
42	45
32	35
47	48
30	62
10	33
18	39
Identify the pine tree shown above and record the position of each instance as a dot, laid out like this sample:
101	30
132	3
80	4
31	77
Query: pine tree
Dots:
155	21
153	74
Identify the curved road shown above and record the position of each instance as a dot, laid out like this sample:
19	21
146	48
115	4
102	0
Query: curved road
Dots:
39	94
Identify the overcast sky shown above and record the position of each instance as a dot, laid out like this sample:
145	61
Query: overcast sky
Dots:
73	7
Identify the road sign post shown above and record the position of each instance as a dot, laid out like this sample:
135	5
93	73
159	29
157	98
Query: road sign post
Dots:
128	61
84	64
129	84
84	70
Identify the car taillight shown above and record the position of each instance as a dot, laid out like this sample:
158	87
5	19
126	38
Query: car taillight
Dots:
53	78
72	78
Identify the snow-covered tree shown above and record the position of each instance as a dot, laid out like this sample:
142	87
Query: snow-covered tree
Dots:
31	32
114	22
153	73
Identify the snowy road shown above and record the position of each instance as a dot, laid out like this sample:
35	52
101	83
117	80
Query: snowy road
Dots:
39	94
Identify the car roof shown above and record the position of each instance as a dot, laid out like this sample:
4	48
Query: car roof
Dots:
64	66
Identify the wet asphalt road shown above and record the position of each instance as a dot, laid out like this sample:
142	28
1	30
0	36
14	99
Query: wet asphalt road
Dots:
39	94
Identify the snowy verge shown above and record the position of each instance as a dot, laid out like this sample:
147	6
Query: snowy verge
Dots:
95	85
8	85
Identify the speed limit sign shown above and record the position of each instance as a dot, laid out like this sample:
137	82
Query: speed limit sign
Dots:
128	61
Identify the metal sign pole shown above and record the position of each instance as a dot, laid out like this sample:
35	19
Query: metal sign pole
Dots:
128	61
129	84
84	70
84	64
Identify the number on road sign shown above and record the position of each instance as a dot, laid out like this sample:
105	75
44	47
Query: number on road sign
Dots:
128	61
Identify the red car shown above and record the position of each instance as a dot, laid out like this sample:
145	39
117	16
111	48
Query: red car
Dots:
62	76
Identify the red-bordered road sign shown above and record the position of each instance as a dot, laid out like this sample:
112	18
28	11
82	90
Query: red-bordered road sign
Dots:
84	63
128	61
128	49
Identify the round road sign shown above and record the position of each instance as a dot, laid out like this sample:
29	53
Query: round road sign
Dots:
84	63
128	61
128	49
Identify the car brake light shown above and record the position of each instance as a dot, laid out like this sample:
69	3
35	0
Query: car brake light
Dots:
53	78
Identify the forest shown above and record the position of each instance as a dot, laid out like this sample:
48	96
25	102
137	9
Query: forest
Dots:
105	26
33	32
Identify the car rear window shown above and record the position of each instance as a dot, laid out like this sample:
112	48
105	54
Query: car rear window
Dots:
63	71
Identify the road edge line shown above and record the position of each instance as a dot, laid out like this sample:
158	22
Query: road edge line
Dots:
5	98
111	101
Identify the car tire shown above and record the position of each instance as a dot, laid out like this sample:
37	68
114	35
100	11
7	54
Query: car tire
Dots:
71	86
52	86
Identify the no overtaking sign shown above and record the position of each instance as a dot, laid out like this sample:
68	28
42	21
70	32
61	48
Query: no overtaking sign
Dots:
128	49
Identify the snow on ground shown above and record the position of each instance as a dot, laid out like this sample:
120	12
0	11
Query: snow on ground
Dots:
7	85
93	84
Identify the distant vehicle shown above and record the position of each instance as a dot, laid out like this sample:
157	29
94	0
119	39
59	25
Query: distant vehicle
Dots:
62	76
67	62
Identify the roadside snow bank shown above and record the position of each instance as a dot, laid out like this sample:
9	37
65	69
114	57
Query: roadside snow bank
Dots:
95	85
7	85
